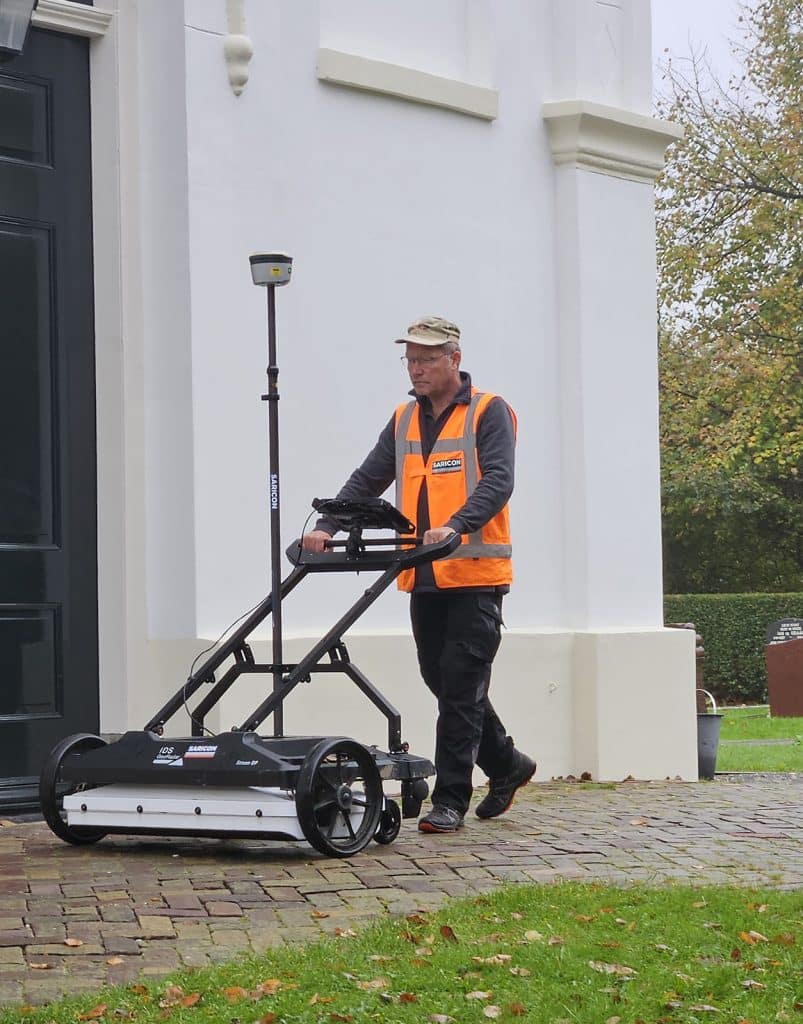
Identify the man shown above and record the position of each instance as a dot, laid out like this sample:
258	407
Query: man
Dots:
451	452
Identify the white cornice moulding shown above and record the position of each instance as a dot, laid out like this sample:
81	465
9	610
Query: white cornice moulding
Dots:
74	19
407	83
608	140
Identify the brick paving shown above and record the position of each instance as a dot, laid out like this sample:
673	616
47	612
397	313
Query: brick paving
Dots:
131	908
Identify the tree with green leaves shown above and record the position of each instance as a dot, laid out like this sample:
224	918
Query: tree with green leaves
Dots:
730	253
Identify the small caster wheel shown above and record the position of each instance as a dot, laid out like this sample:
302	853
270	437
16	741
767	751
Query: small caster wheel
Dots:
414	792
53	788
389	823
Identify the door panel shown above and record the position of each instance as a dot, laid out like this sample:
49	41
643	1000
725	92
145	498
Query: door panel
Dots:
48	563
26	387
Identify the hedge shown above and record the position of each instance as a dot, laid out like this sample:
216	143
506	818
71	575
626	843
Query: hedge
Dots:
733	628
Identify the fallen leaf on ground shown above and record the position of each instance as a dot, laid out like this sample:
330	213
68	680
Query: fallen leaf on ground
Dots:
380	958
173	994
94	1014
113	961
585	918
138	990
268	987
408	997
267	1018
736	953
448	933
373	983
785	939
521	972
191	999
40	967
441	1018
497	959
319	913
533	936
619	969
234	993
516	1009
478	995
320	999
345	933
423	951
416	919
73	942
516	916
340	1016
699	903
704	1008
492	1011
750	983
556	940
638	821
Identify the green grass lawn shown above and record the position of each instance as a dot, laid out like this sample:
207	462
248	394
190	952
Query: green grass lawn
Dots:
756	724
556	954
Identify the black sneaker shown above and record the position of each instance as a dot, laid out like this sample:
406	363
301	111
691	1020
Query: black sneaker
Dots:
441	819
502	790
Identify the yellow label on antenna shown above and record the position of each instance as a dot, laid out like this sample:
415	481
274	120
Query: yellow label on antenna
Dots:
275	271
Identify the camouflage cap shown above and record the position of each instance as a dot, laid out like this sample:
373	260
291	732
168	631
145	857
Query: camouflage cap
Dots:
431	330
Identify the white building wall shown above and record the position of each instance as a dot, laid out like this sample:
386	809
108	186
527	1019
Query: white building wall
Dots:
392	209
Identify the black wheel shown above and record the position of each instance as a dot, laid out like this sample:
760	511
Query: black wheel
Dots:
389	823
339	797
53	789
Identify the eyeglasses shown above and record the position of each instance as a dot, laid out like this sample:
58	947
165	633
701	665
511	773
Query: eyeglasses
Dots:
410	362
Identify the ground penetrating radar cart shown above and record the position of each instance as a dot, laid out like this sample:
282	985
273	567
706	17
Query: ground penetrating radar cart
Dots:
325	789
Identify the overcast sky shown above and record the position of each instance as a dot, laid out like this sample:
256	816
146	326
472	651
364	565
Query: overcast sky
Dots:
680	25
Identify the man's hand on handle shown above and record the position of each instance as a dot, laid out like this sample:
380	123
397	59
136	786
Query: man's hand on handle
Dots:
315	540
439	533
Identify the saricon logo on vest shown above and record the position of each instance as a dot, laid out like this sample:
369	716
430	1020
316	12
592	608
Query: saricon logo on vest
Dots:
448	465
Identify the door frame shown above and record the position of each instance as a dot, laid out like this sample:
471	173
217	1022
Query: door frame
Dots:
111	27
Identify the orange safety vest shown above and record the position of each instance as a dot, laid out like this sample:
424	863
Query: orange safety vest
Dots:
452	472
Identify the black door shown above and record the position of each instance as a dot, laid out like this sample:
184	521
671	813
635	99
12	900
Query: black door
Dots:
48	557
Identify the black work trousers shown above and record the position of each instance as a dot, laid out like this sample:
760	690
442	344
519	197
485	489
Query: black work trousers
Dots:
457	635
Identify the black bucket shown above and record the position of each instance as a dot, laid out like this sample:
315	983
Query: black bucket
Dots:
708	727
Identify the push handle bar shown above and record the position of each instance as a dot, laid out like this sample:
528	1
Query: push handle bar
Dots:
374	553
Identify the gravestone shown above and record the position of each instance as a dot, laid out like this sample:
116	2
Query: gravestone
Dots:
784	657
